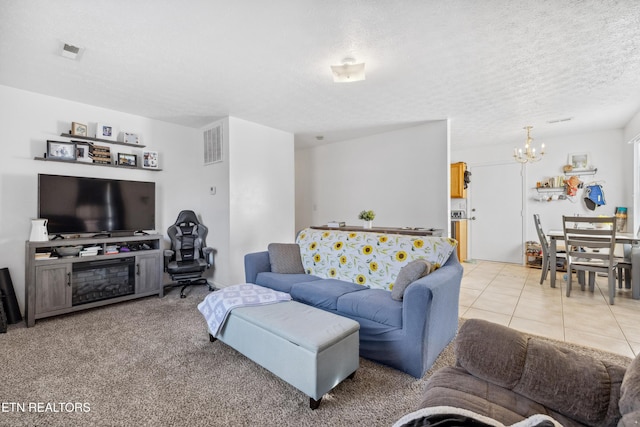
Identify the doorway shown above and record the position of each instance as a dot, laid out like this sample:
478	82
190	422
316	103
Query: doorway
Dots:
495	209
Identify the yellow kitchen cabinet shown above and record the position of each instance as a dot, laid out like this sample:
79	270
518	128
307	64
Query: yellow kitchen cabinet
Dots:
457	180
461	237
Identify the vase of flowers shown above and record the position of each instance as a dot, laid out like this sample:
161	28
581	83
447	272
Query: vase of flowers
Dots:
367	217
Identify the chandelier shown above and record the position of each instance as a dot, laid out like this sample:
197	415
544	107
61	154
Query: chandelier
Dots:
529	154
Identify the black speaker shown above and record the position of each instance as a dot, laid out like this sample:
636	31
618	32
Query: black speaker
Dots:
3	316
9	301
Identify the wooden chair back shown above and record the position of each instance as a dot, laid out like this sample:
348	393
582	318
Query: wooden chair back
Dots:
590	242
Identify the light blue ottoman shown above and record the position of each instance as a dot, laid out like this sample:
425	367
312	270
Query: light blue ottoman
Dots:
309	348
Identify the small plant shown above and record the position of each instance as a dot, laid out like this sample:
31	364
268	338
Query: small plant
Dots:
367	215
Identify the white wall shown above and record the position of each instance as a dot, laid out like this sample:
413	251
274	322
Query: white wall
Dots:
632	133
262	197
609	153
401	175
27	120
215	208
254	201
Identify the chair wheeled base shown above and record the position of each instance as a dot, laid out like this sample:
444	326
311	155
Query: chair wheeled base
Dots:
186	283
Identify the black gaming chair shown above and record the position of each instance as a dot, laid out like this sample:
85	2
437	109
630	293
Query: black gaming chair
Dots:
189	255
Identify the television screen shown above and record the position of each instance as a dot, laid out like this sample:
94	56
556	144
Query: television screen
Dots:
74	204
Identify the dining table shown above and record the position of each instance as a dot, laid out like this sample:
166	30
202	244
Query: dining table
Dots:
621	238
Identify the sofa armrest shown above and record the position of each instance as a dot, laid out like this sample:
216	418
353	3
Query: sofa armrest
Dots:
254	263
430	312
541	371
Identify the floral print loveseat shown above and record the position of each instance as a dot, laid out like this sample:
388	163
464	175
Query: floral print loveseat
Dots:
352	274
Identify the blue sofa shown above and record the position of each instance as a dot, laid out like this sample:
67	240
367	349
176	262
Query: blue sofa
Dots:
407	335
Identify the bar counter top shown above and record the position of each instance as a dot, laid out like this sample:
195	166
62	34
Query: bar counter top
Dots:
436	232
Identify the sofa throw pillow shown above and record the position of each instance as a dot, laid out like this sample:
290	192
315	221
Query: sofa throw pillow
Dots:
409	274
285	258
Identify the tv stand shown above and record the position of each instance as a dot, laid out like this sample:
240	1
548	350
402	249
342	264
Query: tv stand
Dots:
57	236
58	285
100	235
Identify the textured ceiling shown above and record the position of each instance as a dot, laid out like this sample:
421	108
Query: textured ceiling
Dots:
490	66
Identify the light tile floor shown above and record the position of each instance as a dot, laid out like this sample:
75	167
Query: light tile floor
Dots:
511	295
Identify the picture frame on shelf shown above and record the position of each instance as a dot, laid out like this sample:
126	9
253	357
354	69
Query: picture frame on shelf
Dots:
59	150
150	159
125	159
79	129
130	138
105	131
82	152
579	161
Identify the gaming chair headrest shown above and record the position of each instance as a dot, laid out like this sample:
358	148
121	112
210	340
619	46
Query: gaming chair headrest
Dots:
185	217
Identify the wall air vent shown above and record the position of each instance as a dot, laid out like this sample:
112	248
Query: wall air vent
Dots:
70	51
213	145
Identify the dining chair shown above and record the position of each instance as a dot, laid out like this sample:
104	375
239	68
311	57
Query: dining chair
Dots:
624	266
590	248
544	244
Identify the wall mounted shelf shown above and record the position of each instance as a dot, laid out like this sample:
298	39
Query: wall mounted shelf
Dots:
44	159
107	141
550	189
584	172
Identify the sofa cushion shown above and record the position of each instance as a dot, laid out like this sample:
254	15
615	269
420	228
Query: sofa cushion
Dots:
452	386
409	274
285	258
282	282
323	293
541	371
372	304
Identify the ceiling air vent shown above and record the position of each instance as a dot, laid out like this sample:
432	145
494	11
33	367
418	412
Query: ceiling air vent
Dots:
213	145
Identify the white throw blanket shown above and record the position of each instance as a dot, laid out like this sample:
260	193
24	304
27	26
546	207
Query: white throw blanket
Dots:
533	421
216	306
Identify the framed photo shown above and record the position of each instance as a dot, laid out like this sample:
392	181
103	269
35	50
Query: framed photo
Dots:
150	159
579	161
131	138
79	129
104	131
82	152
127	159
61	150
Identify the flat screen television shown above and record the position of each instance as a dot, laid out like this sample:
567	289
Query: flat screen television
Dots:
74	204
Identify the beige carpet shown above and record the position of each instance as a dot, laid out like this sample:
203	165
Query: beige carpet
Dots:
150	362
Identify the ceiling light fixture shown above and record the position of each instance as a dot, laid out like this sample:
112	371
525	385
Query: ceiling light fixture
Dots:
349	71
529	153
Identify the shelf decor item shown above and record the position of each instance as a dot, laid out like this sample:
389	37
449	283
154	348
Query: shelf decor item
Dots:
150	159
104	131
367	217
82	152
579	161
130	138
127	159
78	129
100	154
59	150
